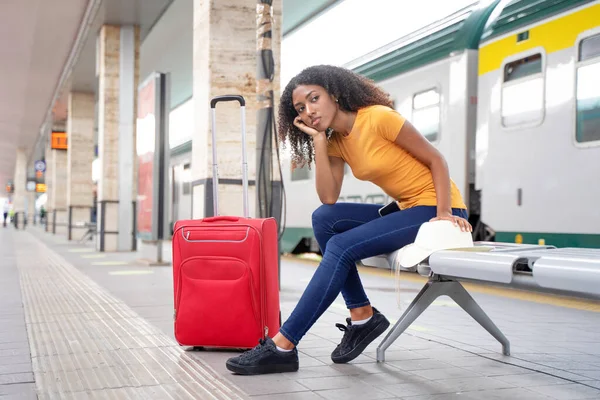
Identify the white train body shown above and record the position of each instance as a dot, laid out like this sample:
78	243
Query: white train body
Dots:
519	167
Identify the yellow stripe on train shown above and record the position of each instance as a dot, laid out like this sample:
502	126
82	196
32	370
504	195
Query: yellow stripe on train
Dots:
554	35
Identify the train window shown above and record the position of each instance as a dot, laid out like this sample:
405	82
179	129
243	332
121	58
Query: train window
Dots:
523	91
524	67
588	91
589	48
300	173
426	113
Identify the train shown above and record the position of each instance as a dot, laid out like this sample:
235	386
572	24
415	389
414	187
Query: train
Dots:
509	92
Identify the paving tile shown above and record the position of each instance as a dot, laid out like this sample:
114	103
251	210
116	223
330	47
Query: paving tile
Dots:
445	373
266	386
532	379
469	384
20	396
417	365
23	351
328	382
290	396
496	369
313	372
570	391
16	368
10	379
16	389
356	392
415	388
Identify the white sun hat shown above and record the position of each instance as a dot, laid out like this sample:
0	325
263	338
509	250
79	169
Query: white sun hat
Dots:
432	236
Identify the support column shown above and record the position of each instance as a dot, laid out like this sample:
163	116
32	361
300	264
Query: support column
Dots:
58	217
49	185
80	131
224	66
31	198
118	76
20	181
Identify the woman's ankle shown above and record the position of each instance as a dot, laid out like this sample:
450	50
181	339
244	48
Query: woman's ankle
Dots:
282	342
360	313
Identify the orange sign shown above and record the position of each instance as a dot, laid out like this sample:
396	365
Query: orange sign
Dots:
59	141
40	188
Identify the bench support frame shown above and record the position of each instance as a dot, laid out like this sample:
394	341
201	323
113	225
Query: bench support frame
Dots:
439	286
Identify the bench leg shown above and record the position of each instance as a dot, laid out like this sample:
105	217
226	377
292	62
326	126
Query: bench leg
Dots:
459	294
431	291
426	296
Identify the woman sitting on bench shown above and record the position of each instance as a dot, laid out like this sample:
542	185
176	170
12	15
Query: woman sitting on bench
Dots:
333	116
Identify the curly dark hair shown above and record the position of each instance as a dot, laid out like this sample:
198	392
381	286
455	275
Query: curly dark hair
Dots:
352	90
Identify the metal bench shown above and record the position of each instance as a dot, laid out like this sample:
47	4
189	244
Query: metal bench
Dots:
575	270
90	231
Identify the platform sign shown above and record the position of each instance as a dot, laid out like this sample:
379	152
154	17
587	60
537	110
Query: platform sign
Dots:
58	140
31	186
40	188
151	132
40	165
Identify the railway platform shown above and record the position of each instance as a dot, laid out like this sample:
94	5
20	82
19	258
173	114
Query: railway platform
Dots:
78	324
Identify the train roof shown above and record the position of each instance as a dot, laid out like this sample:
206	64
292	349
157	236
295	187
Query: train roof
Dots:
519	13
461	30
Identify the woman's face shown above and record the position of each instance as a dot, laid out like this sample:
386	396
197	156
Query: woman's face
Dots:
315	106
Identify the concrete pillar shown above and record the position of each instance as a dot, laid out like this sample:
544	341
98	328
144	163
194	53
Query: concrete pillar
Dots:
118	76
48	182
58	197
31	197
80	131
225	62
20	181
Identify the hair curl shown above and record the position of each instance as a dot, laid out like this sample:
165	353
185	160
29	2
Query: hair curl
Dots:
352	90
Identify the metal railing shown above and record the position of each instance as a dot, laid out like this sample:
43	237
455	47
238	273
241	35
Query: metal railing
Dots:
54	223
102	231
70	223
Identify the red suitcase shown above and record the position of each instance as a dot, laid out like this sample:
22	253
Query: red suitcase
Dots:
225	271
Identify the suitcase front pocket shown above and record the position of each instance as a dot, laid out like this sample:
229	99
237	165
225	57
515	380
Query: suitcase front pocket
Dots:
217	303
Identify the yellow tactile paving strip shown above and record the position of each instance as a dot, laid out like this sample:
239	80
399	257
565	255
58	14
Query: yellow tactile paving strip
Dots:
542	298
88	344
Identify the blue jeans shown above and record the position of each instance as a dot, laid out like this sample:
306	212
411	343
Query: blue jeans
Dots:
347	233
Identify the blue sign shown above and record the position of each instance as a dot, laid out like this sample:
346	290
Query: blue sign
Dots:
40	165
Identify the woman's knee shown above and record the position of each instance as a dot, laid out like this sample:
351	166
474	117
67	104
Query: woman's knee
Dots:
340	248
322	215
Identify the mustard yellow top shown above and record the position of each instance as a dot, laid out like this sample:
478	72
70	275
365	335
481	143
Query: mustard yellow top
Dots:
373	156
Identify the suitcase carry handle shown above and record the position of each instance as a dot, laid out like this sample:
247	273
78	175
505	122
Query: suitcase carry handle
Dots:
221	218
213	104
232	97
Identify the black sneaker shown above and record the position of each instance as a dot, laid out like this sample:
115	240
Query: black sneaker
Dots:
357	337
264	359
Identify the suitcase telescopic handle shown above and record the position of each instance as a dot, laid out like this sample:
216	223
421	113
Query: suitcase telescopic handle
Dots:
218	99
213	104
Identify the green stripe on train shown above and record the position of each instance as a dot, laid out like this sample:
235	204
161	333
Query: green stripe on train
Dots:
292	236
552	239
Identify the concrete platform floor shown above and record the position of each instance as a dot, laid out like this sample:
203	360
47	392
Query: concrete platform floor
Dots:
75	323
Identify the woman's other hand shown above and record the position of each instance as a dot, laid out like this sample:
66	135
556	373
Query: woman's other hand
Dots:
464	225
